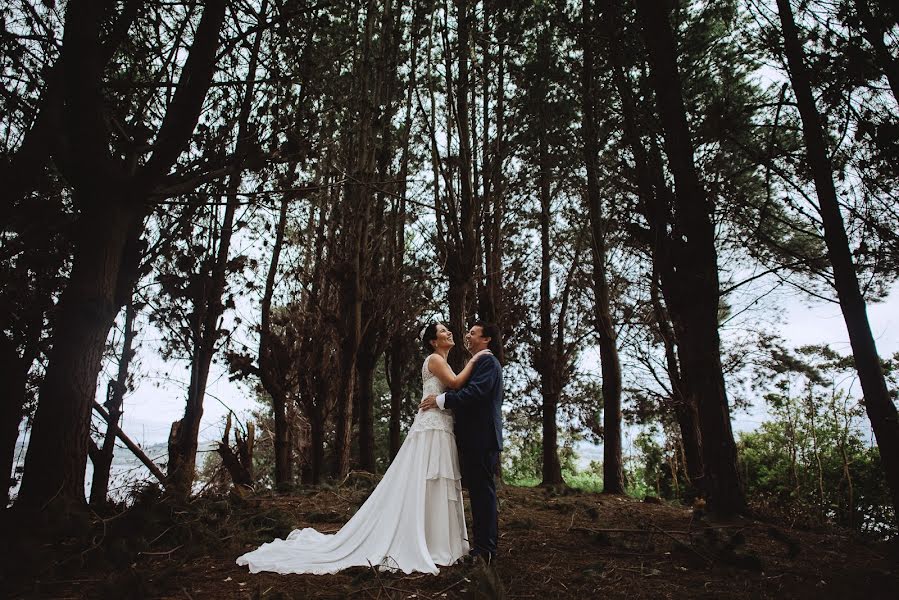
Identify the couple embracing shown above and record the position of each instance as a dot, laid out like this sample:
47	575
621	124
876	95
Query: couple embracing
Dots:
414	521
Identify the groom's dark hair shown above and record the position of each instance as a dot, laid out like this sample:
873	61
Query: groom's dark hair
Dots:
490	330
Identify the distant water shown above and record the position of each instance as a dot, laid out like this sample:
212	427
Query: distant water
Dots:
586	452
126	470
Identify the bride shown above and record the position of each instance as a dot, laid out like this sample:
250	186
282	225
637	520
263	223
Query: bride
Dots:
413	520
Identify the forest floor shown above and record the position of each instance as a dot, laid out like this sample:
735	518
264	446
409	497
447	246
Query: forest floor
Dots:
553	544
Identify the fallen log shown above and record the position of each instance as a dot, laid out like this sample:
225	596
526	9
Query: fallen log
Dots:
135	449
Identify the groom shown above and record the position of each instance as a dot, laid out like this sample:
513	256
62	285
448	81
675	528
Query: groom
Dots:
479	429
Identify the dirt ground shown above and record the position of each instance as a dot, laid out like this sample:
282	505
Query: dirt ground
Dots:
553	544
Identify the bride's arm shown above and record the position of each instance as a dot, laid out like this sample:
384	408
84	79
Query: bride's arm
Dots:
439	367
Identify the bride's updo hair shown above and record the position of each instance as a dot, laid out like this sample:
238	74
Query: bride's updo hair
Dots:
428	335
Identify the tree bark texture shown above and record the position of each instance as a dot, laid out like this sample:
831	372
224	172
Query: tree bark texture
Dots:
550	385
106	236
208	309
655	200
57	450
694	298
878	404
613	472
102	460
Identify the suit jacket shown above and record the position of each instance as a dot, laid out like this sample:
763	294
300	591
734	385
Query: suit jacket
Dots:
479	421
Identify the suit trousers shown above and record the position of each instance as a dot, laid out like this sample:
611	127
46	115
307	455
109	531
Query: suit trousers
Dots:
478	470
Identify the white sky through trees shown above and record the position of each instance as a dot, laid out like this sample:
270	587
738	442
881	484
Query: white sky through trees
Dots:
150	410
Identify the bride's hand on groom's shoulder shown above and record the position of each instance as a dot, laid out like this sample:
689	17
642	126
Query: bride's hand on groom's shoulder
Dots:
480	354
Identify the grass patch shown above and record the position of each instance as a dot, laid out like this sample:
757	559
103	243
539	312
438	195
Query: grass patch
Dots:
586	481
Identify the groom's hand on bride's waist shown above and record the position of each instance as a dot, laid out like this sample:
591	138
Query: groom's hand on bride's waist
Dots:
428	403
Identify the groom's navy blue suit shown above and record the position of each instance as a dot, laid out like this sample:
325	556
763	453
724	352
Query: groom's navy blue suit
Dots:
479	430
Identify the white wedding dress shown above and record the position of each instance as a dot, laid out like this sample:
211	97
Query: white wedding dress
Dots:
413	521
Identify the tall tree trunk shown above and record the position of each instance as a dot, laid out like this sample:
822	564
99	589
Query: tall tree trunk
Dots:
685	411
655	197
350	317
106	240
613	473
365	376
547	365
449	247
57	451
355	224
490	298
271	372
208	308
878	404
184	433
315	396
396	360
385	256
696	300
14	368
552	468
462	256
317	421
102	460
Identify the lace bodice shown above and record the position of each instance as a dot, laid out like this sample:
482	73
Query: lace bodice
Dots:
429	382
435	418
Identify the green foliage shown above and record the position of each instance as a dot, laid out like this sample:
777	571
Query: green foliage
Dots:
587	480
648	472
523	461
814	461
